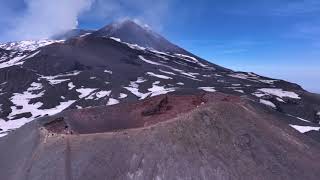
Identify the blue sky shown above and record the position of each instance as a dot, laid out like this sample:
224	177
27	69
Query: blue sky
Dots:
277	38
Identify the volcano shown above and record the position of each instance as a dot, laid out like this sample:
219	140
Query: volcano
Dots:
123	102
130	32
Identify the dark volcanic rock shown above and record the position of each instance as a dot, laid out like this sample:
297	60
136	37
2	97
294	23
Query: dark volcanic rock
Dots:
202	136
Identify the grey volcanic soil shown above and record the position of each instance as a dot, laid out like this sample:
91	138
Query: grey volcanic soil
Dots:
200	136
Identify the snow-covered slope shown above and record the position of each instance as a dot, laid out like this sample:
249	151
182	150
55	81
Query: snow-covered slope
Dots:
27	45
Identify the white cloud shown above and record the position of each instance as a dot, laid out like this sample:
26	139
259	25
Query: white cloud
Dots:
44	18
152	12
39	19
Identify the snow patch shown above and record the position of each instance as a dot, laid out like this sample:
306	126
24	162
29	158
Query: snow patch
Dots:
112	101
71	85
268	103
259	94
115	39
132	46
28	45
280	93
153	91
135	91
268	81
107	71
33	55
102	94
57	81
53	80
99	95
242	76
301	119
280	100
161	53
304	129
122	96
84	92
189	75
238	90
252	77
158	90
192	60
141	80
208	89
13	62
166	72
22	100
148	61
86	34
187	57
134	88
158	75
8	126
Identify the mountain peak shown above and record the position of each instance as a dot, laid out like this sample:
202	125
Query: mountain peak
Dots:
128	23
133	32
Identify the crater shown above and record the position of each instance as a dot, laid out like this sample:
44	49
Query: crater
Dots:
126	115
